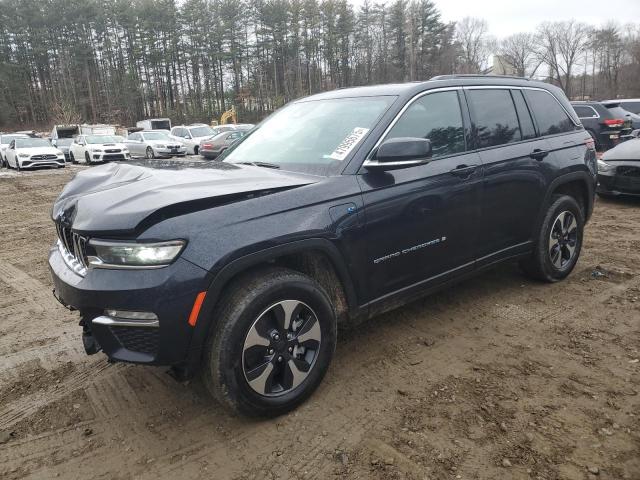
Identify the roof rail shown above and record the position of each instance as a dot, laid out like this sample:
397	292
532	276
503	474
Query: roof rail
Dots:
475	75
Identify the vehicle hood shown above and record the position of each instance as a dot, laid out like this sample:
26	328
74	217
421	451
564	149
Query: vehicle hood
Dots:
39	150
125	198
106	145
625	151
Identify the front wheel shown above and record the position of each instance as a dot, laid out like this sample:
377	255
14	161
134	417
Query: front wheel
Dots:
559	241
149	153
87	158
271	345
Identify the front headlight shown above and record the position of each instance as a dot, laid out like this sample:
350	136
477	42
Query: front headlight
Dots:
23	155
112	254
605	167
96	150
161	146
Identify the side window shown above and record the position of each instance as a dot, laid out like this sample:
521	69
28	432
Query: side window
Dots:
435	116
550	116
584	111
524	115
633	107
494	117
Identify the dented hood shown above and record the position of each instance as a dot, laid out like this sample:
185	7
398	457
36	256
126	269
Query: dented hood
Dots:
119	197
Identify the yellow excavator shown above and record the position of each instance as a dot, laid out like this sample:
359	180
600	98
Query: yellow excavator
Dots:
226	116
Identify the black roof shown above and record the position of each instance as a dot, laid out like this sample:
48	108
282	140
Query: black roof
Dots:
411	88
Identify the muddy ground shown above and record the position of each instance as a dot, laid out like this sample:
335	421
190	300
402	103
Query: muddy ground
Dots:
496	378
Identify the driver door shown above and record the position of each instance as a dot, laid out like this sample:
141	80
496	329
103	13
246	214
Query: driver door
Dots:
421	221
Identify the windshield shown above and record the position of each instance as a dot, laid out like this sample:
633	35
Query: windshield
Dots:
31	142
201	131
103	139
64	142
311	137
156	136
9	138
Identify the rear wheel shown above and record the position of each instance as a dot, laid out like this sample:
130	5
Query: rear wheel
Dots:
559	241
272	343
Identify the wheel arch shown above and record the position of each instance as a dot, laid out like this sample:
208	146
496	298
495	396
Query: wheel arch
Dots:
318	258
579	185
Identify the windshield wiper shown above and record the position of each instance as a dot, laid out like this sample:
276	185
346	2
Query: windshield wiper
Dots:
260	164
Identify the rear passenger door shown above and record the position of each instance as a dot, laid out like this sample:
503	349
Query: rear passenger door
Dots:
513	164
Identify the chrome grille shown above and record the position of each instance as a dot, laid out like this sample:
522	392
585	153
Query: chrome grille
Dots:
43	157
73	248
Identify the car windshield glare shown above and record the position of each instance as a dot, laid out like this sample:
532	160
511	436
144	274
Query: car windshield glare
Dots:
93	139
7	139
201	131
32	142
156	136
311	137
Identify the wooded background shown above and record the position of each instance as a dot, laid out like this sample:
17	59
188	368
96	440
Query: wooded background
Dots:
118	61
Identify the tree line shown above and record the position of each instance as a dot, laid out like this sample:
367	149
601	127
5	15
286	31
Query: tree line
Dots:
118	61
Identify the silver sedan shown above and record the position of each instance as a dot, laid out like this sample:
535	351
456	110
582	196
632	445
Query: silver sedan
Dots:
154	144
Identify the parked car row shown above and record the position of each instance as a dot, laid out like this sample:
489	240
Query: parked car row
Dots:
610	121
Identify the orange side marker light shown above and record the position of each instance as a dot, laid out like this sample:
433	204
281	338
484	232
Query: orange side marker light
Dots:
195	311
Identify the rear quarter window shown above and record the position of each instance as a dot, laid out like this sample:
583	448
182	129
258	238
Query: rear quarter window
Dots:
584	111
549	114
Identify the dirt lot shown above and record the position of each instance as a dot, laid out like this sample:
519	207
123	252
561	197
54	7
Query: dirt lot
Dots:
499	377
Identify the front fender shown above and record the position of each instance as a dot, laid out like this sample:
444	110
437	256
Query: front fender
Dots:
219	280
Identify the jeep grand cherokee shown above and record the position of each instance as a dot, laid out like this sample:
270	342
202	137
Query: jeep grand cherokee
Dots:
337	207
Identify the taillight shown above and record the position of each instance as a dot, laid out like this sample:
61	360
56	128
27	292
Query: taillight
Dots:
613	122
207	145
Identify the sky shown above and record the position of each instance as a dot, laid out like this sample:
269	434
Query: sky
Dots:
508	17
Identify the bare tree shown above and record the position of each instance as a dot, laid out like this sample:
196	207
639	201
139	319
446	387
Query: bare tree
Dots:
475	44
561	45
519	51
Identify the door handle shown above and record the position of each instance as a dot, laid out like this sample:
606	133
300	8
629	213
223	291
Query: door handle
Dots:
538	154
463	171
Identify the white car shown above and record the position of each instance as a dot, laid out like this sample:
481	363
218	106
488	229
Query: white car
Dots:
27	152
191	135
98	148
5	140
154	143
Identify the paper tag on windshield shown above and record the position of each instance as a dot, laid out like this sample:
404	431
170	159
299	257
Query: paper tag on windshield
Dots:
348	144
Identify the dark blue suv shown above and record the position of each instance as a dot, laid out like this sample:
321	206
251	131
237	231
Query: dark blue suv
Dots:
337	207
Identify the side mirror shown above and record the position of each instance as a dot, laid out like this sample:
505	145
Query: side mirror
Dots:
402	152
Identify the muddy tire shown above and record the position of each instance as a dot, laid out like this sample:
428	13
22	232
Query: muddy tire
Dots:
559	241
271	344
